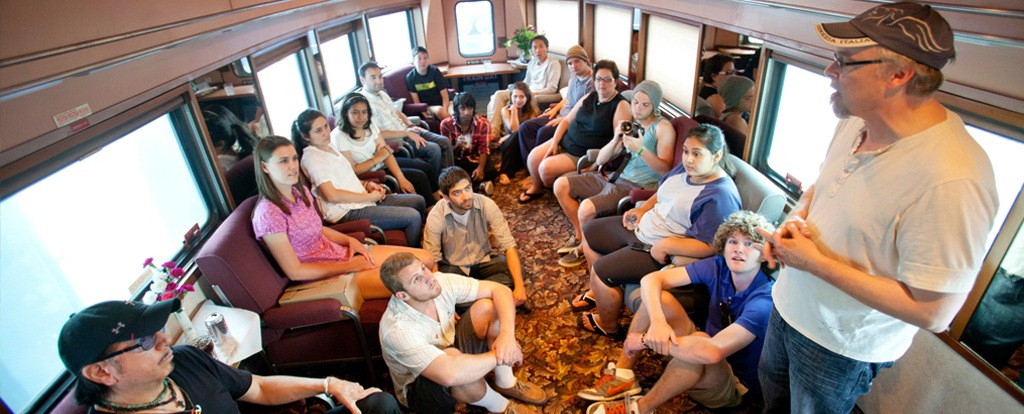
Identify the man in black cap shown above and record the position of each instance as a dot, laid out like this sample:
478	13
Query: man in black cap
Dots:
124	363
892	234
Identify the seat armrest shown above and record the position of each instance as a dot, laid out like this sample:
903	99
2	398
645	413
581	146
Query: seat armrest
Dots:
638	196
547	98
587	160
297	315
414	109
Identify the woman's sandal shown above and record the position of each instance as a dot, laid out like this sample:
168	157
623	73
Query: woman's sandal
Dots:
582	303
529	197
586	318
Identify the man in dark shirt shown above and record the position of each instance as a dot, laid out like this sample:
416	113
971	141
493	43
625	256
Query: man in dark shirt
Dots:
426	84
124	362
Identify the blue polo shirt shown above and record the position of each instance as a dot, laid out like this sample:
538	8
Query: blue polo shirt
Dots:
750	309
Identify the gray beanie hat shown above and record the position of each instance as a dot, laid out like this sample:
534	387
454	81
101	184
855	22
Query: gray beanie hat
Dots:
733	88
653	91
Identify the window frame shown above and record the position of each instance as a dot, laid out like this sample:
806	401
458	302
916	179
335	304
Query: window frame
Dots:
494	35
298	47
766	115
183	109
369	37
331	33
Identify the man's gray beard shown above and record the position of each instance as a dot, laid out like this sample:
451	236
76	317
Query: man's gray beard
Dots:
838	108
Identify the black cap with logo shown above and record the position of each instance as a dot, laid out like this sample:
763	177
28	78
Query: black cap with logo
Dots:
90	332
910	29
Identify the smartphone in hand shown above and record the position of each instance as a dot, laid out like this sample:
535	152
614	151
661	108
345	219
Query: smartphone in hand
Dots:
640	246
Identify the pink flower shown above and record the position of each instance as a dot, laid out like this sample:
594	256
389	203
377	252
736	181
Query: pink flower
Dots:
189	288
177	272
170	264
166	296
149	261
171	286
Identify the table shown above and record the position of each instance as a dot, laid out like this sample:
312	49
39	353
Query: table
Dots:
480	69
243	325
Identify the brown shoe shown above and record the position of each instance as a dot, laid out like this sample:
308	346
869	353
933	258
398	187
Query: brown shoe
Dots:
526	392
515	407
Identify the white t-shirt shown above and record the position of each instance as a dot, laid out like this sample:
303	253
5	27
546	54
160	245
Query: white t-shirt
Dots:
323	167
543	77
360	150
918	211
410	340
385	117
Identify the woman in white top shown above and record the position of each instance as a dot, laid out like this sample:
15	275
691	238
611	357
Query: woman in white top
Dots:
363	143
339	193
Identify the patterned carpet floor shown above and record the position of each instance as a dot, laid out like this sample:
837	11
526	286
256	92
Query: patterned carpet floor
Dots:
559	356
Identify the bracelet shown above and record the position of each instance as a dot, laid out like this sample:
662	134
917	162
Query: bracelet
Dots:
641	151
327	381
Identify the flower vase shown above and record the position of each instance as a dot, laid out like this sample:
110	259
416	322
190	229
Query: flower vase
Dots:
524	56
187	330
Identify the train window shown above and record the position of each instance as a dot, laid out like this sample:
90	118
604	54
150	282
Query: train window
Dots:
80	235
339	65
391	39
612	41
475	23
798	124
559	20
671	59
284	92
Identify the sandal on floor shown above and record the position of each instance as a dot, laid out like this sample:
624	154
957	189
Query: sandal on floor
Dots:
587	301
529	197
588	317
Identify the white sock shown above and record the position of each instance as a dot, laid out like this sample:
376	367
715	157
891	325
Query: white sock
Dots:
492	401
503	376
624	373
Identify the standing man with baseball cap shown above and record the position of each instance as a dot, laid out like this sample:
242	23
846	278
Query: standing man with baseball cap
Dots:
123	362
890	237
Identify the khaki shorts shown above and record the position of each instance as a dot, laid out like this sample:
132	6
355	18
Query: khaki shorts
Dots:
727	393
604	195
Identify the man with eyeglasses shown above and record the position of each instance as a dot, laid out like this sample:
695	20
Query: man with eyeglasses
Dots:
123	362
716	367
891	236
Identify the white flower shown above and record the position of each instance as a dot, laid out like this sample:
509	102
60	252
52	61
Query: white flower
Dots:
160	276
149	298
158	286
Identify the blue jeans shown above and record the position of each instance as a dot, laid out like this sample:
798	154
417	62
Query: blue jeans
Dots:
799	376
438	151
396	212
996	331
376	403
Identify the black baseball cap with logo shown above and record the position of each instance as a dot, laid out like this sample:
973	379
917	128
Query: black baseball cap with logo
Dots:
913	30
89	333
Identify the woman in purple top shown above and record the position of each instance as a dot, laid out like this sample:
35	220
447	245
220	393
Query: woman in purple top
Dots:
693	199
287	223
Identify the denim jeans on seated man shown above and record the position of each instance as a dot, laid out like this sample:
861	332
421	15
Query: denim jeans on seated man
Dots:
823	382
494	270
392	214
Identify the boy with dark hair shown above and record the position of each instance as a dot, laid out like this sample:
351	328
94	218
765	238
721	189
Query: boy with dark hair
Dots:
470	137
458	235
426	84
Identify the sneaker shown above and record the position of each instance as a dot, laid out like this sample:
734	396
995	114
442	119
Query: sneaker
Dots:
487	188
524	391
515	407
610	387
572	244
617	407
574	258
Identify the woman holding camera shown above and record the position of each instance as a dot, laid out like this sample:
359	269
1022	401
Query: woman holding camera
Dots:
649	142
591	124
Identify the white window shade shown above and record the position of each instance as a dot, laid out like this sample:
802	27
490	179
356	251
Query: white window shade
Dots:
559	20
612	41
672	53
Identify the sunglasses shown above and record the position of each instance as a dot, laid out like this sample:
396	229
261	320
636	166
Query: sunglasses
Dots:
146	343
845	64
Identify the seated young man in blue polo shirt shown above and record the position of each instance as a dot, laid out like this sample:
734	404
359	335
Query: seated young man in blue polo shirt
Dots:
715	367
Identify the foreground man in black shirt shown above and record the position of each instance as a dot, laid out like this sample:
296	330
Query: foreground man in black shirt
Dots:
124	363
